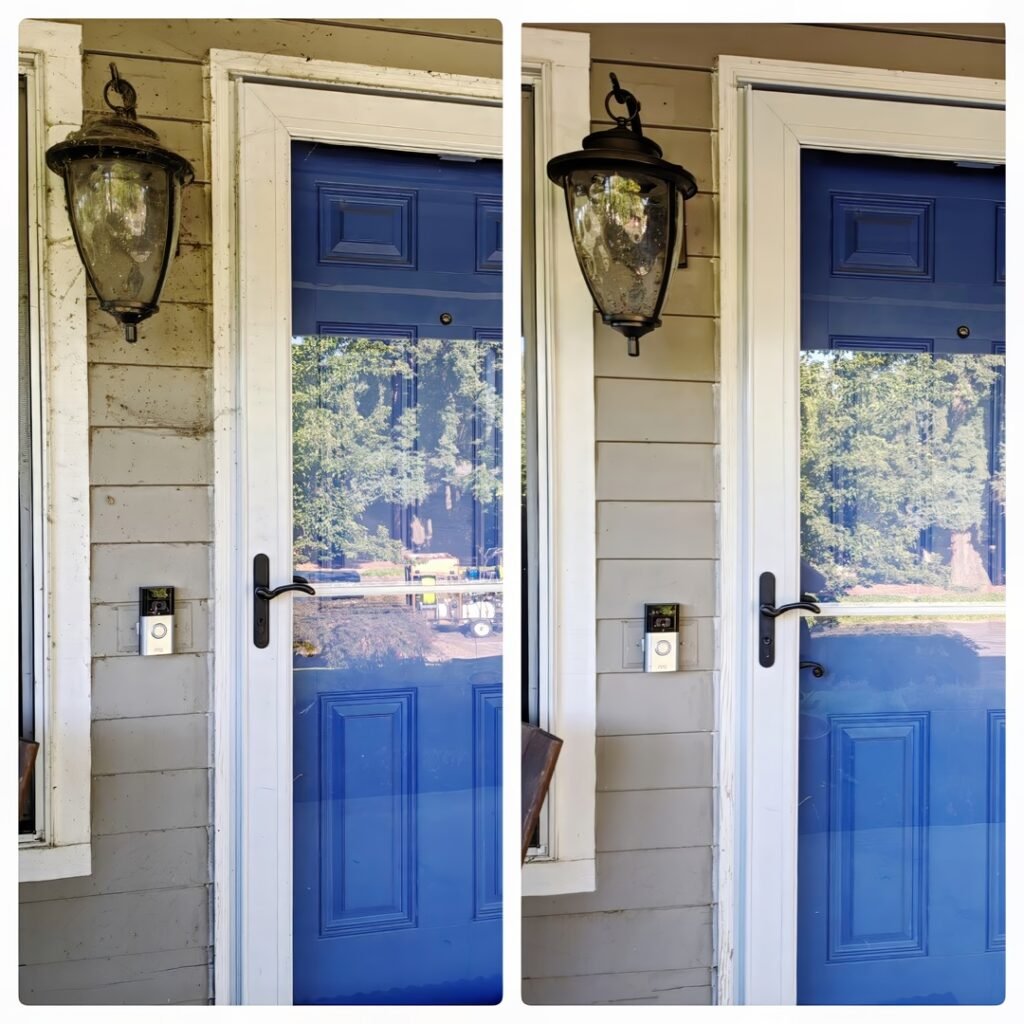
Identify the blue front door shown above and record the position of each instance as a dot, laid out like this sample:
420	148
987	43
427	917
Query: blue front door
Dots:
396	454
901	788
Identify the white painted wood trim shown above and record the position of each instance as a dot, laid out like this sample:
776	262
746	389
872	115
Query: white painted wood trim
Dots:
228	524
735	72
287	70
51	53
557	64
756	953
258	105
43	863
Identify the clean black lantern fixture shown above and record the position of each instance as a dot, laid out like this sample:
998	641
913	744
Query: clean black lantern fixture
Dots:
625	207
124	199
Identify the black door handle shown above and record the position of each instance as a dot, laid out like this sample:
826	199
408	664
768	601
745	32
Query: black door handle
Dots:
262	595
806	605
816	670
298	583
769	613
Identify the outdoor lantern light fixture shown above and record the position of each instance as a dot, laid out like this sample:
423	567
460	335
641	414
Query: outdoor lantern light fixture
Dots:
625	206
124	199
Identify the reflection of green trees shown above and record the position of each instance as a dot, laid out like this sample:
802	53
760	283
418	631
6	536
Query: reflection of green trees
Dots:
894	444
624	201
387	420
121	212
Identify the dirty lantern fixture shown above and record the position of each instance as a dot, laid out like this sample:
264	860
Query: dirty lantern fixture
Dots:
625	206
124	199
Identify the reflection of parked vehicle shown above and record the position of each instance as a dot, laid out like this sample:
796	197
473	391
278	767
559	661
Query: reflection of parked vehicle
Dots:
331	576
475	614
321	576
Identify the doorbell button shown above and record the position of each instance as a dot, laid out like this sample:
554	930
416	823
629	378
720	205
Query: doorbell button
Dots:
159	631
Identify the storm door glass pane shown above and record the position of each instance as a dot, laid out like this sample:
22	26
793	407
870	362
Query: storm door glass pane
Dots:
397	375
901	857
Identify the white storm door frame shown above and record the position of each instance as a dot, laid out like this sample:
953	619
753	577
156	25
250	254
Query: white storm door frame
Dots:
762	133
259	105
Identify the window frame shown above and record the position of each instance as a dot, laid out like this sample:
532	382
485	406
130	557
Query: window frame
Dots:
50	57
556	65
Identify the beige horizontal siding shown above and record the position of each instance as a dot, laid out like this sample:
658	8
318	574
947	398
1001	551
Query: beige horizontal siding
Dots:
696	46
626	988
181	334
187	41
161	977
626	940
651	820
633	704
178	684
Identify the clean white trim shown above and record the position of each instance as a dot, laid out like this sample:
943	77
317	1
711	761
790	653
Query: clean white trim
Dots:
258	105
761	133
50	55
557	64
841	79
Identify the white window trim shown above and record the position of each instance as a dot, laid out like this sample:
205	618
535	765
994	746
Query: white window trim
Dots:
50	56
251	129
557	65
756	873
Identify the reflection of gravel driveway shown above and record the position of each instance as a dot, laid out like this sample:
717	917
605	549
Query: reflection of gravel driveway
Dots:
450	645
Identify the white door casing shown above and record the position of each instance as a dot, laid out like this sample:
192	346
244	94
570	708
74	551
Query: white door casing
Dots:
258	105
762	132
556	64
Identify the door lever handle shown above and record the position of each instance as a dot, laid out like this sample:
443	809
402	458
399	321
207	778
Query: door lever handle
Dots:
816	670
298	583
769	613
805	603
262	595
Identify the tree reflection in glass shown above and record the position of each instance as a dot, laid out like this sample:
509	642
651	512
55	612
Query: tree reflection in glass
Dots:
620	226
396	451
902	473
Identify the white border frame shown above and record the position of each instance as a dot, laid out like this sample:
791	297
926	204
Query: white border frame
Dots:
51	55
254	116
756	874
557	64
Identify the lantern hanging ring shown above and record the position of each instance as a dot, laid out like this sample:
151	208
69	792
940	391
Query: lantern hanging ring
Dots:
125	90
628	100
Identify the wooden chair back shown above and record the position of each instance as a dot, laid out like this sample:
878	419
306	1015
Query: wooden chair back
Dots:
540	753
